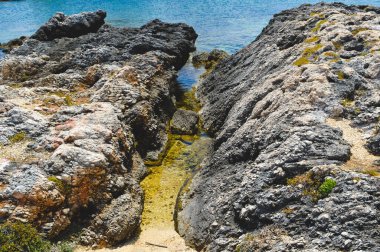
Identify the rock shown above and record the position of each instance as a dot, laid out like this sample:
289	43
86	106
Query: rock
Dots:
267	107
14	43
373	145
209	60
78	115
60	26
184	122
117	222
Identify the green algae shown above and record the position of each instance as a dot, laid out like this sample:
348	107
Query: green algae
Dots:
308	55
301	61
18	137
358	30
319	25
175	167
340	75
312	39
162	185
187	100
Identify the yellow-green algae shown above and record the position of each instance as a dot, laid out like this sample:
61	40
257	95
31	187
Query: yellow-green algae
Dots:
319	25
177	164
162	185
187	100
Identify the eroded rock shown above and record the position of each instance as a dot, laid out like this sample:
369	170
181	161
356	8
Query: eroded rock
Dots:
81	105
267	107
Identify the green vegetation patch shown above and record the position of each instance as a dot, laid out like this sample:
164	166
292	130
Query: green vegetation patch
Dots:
347	102
371	172
313	185
356	31
326	188
188	101
20	237
301	61
18	137
312	39
319	25
340	75
317	14
63	187
307	55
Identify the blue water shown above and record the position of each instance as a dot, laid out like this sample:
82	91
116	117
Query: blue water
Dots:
223	24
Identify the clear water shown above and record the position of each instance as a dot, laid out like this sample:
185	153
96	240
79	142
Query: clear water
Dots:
223	24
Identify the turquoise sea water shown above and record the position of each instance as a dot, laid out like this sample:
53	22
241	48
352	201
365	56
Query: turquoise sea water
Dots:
223	24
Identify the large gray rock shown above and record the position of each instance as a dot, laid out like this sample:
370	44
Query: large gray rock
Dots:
184	122
267	107
77	116
60	26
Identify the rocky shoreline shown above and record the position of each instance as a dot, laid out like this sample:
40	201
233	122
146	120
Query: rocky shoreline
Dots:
82	104
85	106
284	174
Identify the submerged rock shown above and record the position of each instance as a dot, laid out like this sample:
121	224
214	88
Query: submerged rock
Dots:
209	60
77	116
184	122
276	169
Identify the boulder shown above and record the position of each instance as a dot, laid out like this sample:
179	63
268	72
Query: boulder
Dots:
60	25
184	122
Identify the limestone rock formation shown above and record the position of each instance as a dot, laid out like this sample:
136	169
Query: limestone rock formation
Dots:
78	114
281	177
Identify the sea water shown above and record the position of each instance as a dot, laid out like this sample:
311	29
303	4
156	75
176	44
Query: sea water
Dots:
223	24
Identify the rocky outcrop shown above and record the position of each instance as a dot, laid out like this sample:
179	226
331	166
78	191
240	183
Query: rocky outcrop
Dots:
60	26
280	177
78	114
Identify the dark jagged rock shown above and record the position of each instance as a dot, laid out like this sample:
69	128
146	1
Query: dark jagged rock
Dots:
269	107
60	26
373	144
14	43
77	116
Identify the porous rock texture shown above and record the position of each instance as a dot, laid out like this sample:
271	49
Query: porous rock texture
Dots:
78	114
267	107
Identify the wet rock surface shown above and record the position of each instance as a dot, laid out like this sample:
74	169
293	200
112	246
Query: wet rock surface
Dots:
275	180
81	105
184	122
